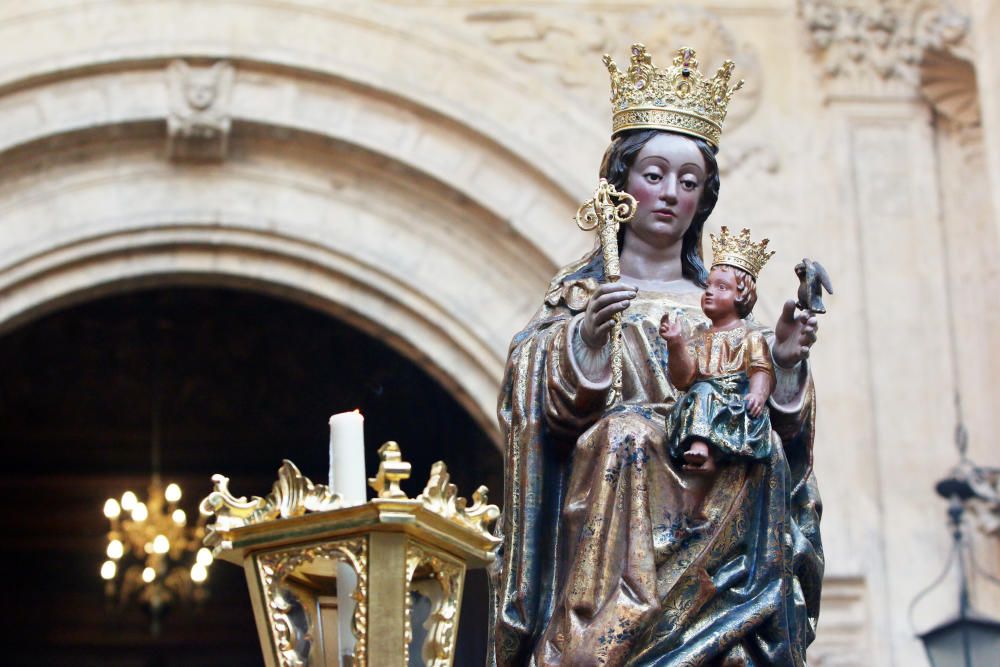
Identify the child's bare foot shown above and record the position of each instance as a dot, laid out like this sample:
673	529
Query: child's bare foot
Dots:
698	459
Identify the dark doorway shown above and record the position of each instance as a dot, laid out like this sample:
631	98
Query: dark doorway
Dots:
246	381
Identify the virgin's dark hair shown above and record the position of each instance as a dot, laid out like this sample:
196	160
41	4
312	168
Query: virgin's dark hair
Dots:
618	159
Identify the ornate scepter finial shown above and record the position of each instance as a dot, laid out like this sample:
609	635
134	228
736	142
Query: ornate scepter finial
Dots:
606	211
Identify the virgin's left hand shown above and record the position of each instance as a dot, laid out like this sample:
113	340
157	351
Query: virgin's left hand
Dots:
793	335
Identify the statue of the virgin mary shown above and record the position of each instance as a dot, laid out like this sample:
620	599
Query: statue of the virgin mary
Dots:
603	561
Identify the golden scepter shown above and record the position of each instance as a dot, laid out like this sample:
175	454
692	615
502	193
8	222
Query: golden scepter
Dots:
609	209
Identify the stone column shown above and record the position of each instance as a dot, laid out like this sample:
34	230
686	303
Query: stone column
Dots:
885	189
986	26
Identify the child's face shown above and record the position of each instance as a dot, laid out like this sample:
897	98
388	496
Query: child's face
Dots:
719	299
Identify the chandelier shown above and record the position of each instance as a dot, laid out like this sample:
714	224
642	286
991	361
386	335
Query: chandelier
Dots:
153	556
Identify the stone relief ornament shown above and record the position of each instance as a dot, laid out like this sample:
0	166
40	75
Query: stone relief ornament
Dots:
987	486
199	121
880	44
948	83
563	44
761	158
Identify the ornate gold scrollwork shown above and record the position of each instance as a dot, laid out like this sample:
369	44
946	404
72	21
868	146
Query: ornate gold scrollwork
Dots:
275	567
607	211
445	598
441	497
292	495
412	561
290	583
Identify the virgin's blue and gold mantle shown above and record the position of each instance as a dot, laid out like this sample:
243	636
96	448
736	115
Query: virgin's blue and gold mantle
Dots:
600	564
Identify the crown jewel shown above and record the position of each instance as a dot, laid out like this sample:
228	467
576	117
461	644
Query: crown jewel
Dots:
677	98
740	251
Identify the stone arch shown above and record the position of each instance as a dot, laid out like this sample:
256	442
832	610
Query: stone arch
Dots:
301	108
363	234
374	185
329	70
235	255
110	223
478	216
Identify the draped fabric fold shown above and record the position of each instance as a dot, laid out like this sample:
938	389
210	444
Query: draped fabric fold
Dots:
603	561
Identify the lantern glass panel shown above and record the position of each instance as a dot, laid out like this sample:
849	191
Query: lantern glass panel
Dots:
945	644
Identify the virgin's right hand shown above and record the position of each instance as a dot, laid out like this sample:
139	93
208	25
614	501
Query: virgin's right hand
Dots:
607	300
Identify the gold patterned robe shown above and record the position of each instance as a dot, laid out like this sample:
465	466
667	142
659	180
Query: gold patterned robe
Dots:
598	565
740	349
713	407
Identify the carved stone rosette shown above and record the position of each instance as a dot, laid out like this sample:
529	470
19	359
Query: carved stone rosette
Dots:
401	549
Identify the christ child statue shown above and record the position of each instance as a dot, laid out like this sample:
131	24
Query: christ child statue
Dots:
726	372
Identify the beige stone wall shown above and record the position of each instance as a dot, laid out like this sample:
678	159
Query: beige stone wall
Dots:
413	168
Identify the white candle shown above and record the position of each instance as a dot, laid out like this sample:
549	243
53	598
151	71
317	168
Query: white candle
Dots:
347	457
348	478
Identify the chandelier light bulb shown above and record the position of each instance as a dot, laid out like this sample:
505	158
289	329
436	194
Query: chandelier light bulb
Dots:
112	509
173	493
161	544
128	501
148	575
108	570
204	557
139	512
115	549
179	517
198	573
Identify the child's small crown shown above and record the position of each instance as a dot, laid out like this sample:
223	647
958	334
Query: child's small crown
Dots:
740	251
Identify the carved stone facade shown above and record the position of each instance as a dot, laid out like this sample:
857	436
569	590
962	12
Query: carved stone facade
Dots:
563	52
370	159
199	122
879	45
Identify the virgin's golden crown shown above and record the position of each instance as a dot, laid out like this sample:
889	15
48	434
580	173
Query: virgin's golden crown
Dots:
740	251
678	98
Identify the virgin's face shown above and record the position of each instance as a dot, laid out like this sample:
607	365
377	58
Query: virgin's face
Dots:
667	180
